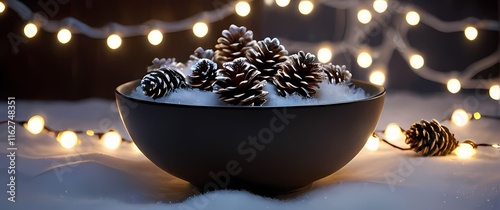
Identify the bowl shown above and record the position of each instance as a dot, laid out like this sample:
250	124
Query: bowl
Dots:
265	150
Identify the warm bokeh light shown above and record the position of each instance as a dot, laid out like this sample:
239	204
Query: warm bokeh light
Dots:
155	37
364	16
282	3
64	36
470	33
30	30
460	117
393	132
89	132
372	143
477	115
380	5
242	8
2	7
377	77
67	139
495	92
200	29
412	18
364	60
453	85
306	7
35	124
496	146
324	55
114	41
465	150
416	61
111	140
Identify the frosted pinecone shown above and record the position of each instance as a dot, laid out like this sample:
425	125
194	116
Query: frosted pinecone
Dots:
336	74
233	44
203	74
160	82
267	55
164	63
299	74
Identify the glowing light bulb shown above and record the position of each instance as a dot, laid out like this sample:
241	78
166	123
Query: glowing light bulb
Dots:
412	18
67	139
372	143
324	55
306	7
89	132
364	16
477	115
111	140
155	37
30	30
268	2
495	92
114	41
2	7
200	29
393	132
377	77
496	146
64	36
416	61
380	5
242	8
465	150
364	60
453	85
470	33
35	124
282	3
460	117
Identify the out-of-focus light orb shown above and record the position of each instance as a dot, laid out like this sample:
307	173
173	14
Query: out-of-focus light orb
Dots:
495	92
155	37
200	29
477	115
2	7
111	140
412	18
324	55
364	60
30	30
114	41
282	3
453	85
393	132
372	143
465	150
64	36
89	132
35	124
460	117
470	33
377	77
242	8
67	139
416	61
380	5
268	2
306	7
364	16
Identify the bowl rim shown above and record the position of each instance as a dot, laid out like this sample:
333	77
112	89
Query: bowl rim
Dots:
119	91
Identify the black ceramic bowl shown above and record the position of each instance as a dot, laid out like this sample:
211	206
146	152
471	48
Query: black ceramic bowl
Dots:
267	150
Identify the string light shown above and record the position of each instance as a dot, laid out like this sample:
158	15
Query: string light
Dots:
306	7
364	16
477	115
470	33
155	37
495	92
67	139
30	30
282	3
377	77
90	133
364	60
412	18
380	5
114	41
111	140
35	124
64	36
200	29
372	143
324	55
416	61
453	85
496	146
242	8
393	132
465	150
2	7
460	117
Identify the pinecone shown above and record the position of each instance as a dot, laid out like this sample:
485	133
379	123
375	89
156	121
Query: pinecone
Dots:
203	74
266	55
336	74
233	44
238	84
430	139
200	53
163	63
160	82
298	74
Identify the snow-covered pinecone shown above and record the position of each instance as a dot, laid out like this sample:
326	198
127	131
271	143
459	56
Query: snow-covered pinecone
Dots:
298	74
233	44
266	55
336	74
430	138
160	82
203	74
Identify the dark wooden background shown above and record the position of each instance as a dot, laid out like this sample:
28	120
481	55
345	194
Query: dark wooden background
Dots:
85	67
